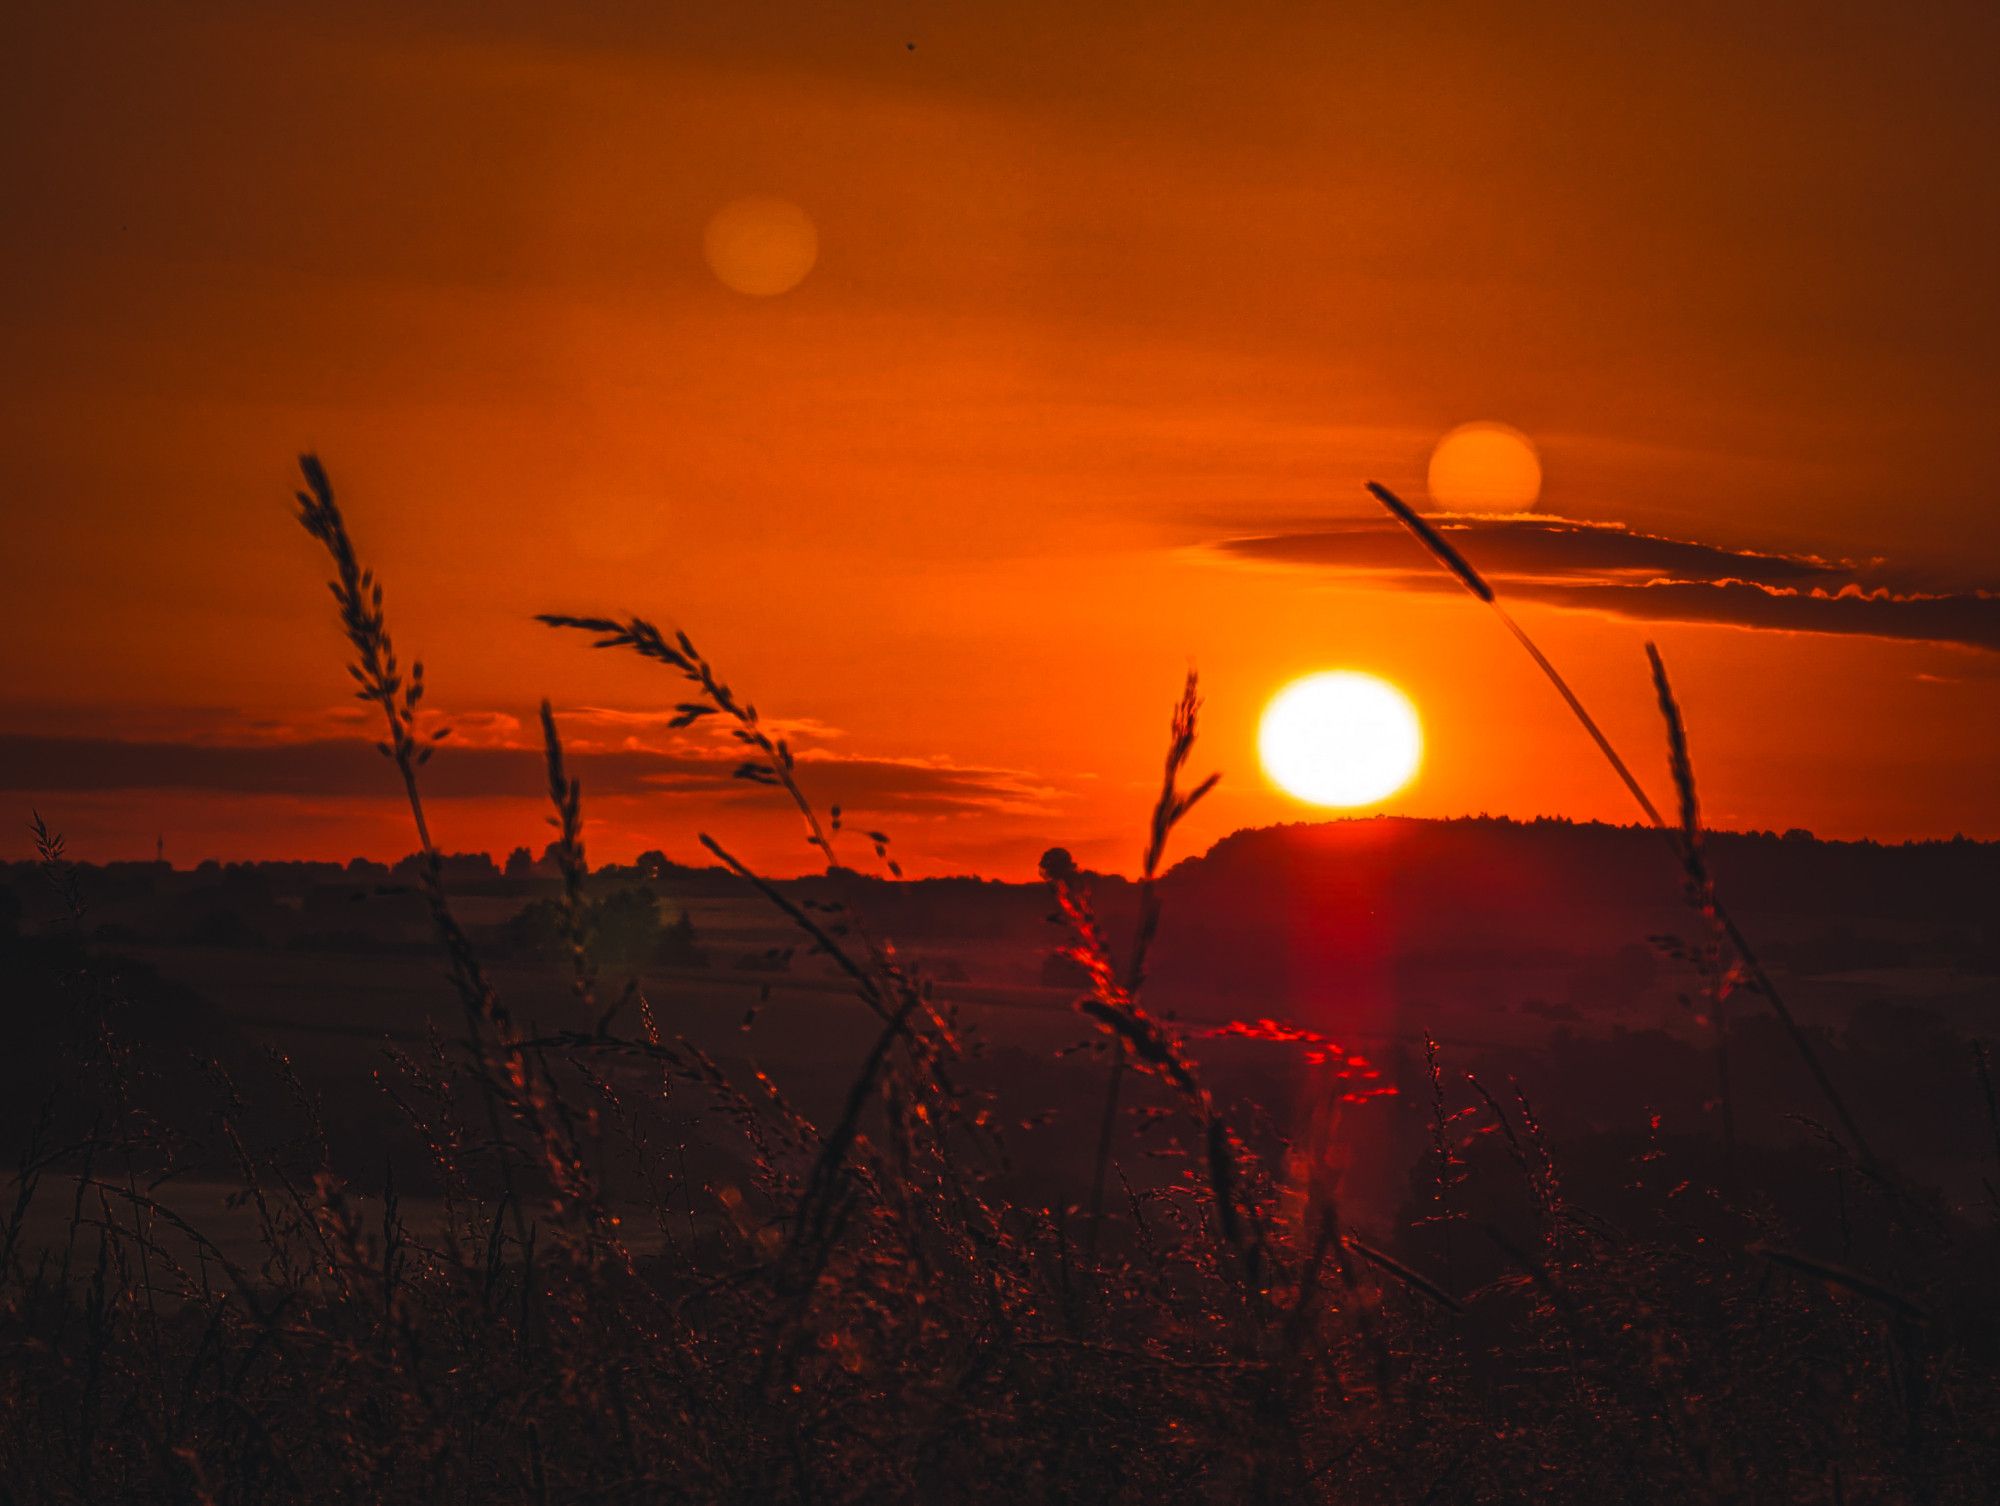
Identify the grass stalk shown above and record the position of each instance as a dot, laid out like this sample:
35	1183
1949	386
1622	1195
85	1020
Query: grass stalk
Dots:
1456	563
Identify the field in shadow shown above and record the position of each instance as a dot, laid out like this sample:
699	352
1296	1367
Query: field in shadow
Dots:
1393	1161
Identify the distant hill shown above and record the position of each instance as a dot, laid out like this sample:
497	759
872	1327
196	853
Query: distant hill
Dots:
1284	918
1304	911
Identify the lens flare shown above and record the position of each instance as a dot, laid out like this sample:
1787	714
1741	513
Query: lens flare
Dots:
760	246
1485	467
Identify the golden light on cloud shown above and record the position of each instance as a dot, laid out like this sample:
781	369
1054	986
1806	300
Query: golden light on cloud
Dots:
1485	467
1342	738
760	246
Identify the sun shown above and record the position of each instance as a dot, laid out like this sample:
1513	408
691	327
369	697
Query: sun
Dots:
1342	738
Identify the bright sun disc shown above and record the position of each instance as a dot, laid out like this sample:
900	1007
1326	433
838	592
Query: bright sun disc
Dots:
1340	738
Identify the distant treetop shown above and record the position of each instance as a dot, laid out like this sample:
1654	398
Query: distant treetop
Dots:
1057	865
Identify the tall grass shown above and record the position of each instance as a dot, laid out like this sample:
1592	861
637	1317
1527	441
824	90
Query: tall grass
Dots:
1685	840
650	1277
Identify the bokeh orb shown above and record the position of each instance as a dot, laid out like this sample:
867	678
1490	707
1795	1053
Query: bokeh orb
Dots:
760	246
1485	467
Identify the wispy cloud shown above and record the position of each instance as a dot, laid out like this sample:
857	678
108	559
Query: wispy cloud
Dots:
610	726
324	767
1607	567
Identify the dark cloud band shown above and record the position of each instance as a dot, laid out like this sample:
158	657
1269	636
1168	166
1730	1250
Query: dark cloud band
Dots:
1606	568
339	768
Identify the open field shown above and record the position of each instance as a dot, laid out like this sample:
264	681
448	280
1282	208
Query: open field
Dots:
1337	1161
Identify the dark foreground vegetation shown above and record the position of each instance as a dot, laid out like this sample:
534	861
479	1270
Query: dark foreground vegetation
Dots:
632	1275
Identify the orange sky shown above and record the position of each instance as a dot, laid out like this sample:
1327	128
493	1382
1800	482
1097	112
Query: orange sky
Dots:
1114	308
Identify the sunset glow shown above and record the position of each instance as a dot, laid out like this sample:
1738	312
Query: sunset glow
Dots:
946	752
1340	739
958	383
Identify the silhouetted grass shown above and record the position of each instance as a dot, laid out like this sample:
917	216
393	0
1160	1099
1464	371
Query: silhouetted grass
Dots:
1686	840
644	1277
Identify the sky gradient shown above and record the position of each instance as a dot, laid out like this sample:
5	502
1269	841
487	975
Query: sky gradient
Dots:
1113	311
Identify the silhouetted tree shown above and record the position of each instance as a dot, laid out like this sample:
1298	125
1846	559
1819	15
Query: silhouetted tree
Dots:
625	926
677	946
536	929
622	928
